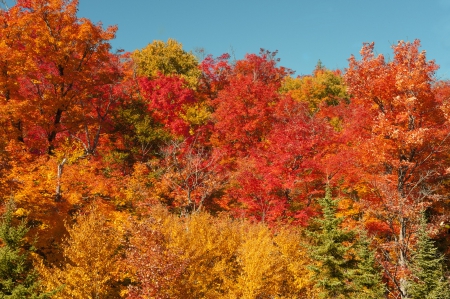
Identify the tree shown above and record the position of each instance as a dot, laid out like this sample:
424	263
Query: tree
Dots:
139	133
167	99
192	174
331	252
63	58
243	109
427	265
323	87
58	87
154	264
91	259
394	110
367	277
243	100
343	267
297	152
18	278
253	192
167	59
215	75
214	257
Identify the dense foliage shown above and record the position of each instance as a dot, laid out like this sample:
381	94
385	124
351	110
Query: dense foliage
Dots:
155	174
18	278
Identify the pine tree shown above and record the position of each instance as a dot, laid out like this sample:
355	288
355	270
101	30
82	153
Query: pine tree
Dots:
367	279
18	279
427	264
331	252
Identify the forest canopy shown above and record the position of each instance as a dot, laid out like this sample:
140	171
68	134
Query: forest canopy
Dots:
157	174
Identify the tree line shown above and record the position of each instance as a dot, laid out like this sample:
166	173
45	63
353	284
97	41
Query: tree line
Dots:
160	174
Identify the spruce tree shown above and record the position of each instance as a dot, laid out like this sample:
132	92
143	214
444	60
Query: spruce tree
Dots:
429	281
367	278
18	279
330	251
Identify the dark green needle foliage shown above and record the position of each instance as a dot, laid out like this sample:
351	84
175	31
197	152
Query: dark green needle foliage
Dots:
330	251
429	281
367	278
18	279
343	267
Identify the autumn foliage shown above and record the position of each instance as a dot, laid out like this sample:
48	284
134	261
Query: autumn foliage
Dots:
155	174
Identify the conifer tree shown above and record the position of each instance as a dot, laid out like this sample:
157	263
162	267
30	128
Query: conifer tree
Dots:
427	264
331	252
367	279
18	279
343	267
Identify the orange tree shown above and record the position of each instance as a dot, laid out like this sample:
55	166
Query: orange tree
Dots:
58	84
400	139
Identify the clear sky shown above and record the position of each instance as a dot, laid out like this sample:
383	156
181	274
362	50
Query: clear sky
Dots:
302	31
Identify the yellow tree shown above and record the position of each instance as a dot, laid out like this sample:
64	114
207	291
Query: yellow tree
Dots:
265	267
167	59
215	257
323	87
90	251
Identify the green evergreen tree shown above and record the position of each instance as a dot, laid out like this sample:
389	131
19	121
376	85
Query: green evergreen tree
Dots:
331	252
427	266
18	279
367	278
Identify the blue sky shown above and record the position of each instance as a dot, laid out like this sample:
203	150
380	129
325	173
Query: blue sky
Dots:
302	31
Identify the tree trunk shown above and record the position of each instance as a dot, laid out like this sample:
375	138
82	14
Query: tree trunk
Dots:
58	193
402	259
